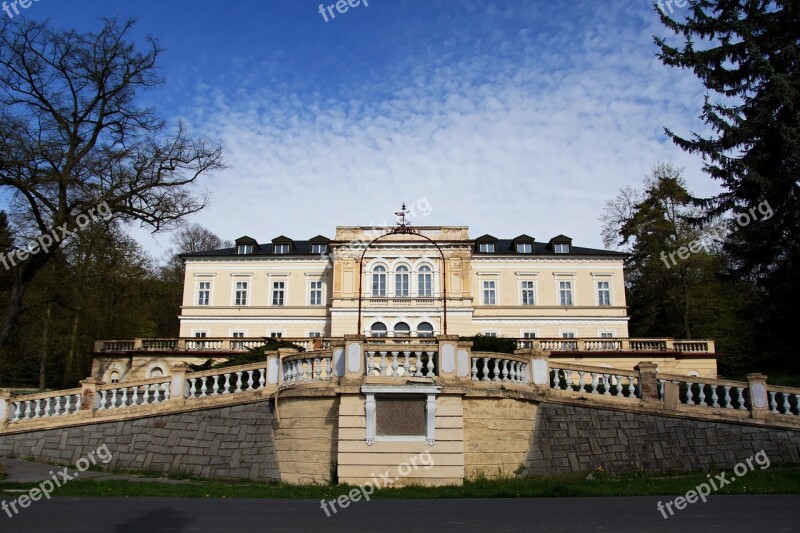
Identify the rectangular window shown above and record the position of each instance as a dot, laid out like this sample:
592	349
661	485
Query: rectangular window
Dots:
200	334
241	293
425	279
606	335
314	334
316	293
238	334
281	248
568	335
489	334
603	293
244	249
529	335
486	247
565	292
561	248
278	292
489	293
276	334
524	248
401	283
319	248
204	293
527	293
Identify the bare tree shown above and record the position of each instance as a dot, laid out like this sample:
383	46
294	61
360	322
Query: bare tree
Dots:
196	238
72	137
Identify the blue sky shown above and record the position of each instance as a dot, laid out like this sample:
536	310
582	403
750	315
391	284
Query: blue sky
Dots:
511	117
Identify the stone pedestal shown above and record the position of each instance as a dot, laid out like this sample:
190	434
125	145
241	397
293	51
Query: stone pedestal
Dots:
757	396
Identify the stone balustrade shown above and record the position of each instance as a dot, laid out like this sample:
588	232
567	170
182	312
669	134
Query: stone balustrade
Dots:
307	367
402	361
44	405
121	396
705	392
203	344
559	344
783	400
222	381
504	368
595	380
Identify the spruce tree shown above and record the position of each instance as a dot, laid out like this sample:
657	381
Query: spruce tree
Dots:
746	53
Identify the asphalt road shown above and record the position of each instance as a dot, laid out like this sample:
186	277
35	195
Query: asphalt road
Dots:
721	513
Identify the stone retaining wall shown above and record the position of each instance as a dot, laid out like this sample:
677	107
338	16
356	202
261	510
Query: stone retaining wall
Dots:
580	439
229	442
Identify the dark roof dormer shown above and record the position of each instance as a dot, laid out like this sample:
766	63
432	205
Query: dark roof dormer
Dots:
486	244
560	244
246	245
523	244
319	244
282	245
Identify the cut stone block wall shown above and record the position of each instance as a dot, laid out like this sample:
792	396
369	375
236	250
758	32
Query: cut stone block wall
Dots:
579	439
229	443
497	435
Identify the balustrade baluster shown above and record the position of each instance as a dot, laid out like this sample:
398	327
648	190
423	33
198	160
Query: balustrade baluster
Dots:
594	382
485	369
370	363
57	407
632	388
166	387
689	393
113	398
772	403
68	404
702	395
581	380
568	379
239	382
215	385
740	391
262	380
395	364
317	369
17	411
430	364
102	401
503	369
727	397
383	363
714	397
226	387
406	364
474	369
786	406
250	381
619	385
607	386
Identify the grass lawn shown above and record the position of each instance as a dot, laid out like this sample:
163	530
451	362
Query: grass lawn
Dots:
776	480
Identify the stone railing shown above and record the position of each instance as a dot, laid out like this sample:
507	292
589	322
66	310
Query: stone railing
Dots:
307	367
705	392
494	367
616	345
783	400
203	344
595	380
402	361
402	302
221	381
146	392
43	405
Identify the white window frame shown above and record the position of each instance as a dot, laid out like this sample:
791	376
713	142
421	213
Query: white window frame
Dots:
199	333
276	291
276	333
490	333
281	249
522	292
561	247
236	290
244	249
486	247
597	288
312	291
385	275
319	248
405	273
198	289
563	334
429	274
571	278
524	245
488	291
314	334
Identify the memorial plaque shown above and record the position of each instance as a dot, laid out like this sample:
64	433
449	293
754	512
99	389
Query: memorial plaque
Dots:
400	416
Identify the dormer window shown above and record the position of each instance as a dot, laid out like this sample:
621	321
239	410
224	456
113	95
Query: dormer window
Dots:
524	247
281	249
486	247
561	248
244	249
319	249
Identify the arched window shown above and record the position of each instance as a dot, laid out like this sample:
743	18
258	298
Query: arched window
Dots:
378	329
425	329
379	281
401	329
114	377
156	372
401	281
425	281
